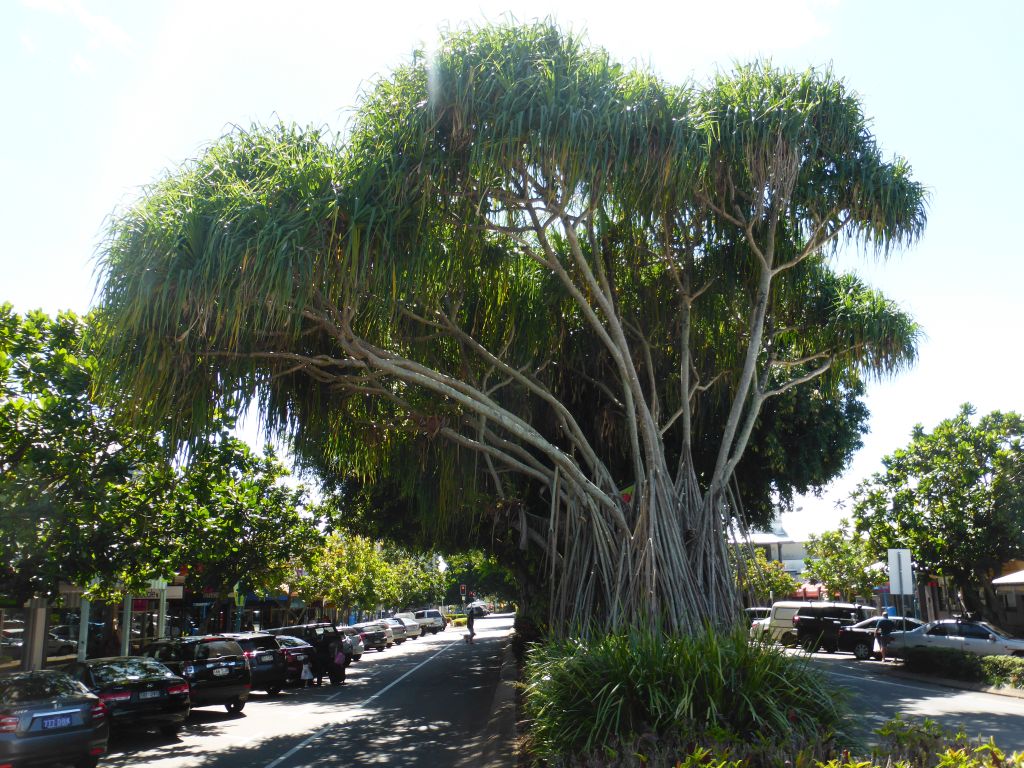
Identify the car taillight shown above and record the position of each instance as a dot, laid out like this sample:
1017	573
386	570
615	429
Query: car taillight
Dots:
249	654
99	710
114	697
9	723
362	637
177	689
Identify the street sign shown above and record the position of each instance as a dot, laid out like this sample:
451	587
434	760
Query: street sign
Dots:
901	579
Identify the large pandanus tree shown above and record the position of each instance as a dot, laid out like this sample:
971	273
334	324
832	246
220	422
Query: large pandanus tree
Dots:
540	276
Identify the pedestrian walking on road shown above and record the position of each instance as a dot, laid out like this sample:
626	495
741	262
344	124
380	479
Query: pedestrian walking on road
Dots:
470	615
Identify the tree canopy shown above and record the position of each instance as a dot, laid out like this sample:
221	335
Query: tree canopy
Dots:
539	274
87	500
954	496
842	560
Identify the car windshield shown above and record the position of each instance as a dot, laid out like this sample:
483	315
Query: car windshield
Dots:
38	685
997	631
287	641
122	671
260	643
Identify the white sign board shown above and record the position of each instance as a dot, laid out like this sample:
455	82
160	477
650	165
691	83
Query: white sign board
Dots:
173	593
901	580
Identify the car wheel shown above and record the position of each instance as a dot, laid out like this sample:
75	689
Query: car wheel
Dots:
235	706
829	648
274	690
170	730
862	651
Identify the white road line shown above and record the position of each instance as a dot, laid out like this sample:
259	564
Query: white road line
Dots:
277	761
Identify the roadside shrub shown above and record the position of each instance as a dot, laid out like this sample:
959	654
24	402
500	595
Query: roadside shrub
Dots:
998	671
1004	671
945	662
643	698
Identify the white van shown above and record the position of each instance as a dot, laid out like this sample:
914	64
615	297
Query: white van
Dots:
778	627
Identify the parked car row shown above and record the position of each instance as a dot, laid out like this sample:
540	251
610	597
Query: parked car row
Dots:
852	628
65	715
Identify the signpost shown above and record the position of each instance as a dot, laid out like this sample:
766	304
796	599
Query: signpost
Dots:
901	577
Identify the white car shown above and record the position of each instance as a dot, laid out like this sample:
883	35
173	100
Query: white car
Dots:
412	627
978	637
432	620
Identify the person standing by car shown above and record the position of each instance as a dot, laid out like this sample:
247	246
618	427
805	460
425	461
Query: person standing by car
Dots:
883	634
337	655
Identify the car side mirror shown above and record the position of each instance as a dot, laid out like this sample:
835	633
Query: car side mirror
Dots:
991	638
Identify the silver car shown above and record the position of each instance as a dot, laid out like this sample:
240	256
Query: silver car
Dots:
352	642
397	629
978	637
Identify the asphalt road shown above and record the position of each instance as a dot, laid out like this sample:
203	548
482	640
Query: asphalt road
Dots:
424	703
878	694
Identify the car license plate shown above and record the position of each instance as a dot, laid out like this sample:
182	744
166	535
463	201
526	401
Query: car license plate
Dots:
220	672
266	658
149	694
49	723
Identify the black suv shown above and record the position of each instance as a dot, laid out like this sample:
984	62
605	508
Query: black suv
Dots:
267	660
214	666
817	624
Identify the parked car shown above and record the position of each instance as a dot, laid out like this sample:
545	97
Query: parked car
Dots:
412	627
778	627
397	629
374	635
214	666
13	643
978	637
266	660
859	638
296	651
138	691
431	620
47	718
351	643
817	624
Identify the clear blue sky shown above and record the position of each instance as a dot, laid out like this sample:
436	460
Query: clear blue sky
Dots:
99	98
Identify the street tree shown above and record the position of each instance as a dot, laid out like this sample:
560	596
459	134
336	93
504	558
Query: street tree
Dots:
761	580
955	497
235	519
552	276
842	562
81	497
348	572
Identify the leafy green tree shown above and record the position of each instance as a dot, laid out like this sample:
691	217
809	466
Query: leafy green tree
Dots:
540	275
763	581
235	520
955	497
482	574
841	561
345	571
81	497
